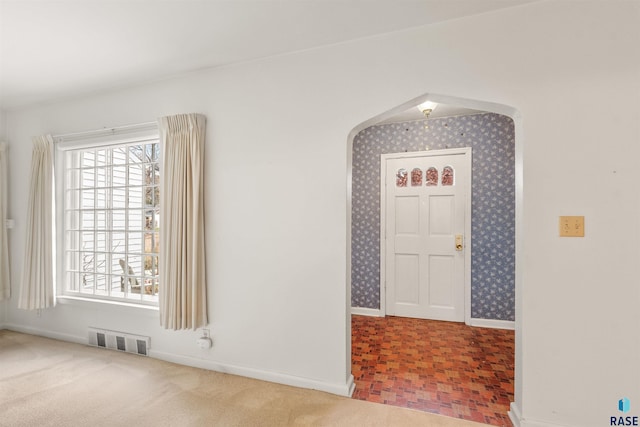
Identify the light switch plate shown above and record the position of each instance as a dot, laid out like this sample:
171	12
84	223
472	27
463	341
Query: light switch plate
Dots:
572	226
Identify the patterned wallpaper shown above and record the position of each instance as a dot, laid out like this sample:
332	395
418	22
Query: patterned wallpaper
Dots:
493	205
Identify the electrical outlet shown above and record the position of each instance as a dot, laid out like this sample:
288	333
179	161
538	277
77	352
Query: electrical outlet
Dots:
204	343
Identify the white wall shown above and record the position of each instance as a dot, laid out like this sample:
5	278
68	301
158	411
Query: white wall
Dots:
3	125
275	183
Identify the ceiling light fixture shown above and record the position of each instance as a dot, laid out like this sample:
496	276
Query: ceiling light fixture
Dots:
427	108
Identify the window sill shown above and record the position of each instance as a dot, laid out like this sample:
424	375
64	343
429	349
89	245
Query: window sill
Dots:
96	303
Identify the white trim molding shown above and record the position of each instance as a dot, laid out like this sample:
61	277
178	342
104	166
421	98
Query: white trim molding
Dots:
363	311
467	155
47	334
530	423
492	323
514	414
274	377
477	323
516	419
345	389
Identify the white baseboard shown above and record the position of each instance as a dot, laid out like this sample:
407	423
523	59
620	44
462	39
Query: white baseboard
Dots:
514	414
480	323
528	423
491	323
48	334
339	389
375	312
517	421
274	377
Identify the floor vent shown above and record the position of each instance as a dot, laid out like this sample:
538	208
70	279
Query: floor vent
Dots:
121	341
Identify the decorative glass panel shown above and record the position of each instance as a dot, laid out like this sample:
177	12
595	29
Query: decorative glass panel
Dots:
447	175
401	178
432	177
416	177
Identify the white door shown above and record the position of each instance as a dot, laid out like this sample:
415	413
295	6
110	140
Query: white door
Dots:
425	204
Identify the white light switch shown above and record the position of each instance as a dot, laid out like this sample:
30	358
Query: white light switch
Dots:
10	223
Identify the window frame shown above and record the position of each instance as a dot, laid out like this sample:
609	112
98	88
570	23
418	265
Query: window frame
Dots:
108	138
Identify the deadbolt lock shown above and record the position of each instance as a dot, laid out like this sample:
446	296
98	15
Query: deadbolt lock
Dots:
459	244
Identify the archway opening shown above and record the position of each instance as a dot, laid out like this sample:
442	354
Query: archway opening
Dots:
403	123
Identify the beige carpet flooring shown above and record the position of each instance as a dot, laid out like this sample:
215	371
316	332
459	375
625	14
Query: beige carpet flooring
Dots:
45	382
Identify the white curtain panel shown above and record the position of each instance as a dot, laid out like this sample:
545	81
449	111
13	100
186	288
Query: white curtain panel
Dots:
37	289
5	285
183	290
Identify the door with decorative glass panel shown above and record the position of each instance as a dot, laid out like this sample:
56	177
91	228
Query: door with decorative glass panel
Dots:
426	229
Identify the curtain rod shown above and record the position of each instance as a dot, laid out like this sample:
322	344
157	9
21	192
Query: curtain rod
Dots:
103	131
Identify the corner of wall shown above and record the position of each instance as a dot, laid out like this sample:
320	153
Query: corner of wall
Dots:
3	138
3	311
514	414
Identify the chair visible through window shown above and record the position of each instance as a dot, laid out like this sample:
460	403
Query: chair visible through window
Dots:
133	281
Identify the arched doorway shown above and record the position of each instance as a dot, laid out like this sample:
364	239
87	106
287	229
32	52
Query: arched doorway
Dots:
517	183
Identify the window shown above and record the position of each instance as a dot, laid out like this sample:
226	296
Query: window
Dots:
416	177
401	178
112	220
432	176
447	175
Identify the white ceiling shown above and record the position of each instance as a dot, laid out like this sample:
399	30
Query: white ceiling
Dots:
57	49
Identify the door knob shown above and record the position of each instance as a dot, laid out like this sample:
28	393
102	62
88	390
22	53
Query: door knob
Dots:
459	244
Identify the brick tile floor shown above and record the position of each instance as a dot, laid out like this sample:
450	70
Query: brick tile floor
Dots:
445	368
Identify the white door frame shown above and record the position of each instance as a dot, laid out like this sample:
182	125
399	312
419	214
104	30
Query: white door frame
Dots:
466	152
